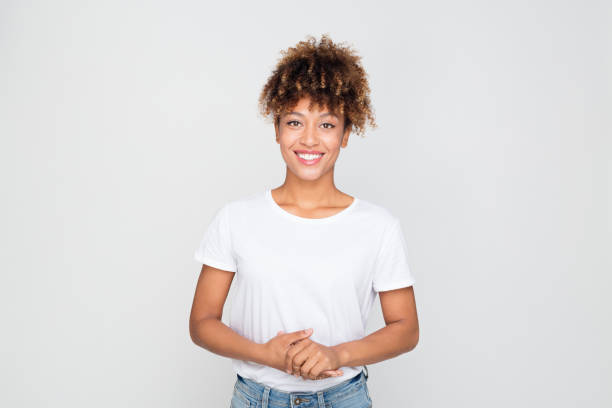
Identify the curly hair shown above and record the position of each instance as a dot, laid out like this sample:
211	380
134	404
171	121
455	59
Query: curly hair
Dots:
330	74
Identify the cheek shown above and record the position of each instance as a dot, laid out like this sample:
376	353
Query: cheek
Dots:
332	142
286	146
288	139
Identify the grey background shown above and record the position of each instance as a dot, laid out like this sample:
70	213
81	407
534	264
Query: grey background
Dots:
124	125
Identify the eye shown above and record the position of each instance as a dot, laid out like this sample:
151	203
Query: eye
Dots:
293	121
331	126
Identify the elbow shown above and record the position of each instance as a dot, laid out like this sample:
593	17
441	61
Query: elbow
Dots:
415	339
195	331
412	339
199	327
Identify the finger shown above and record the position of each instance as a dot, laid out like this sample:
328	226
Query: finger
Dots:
307	355
307	368
317	371
316	363
329	373
298	359
298	335
289	359
332	373
296	366
301	341
292	351
289	354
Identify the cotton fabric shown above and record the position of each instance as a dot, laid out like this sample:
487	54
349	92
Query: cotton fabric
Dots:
293	273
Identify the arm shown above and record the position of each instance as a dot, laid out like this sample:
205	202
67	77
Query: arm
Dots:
205	326
208	331
400	334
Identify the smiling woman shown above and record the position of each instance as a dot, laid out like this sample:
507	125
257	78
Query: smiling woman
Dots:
310	139
309	259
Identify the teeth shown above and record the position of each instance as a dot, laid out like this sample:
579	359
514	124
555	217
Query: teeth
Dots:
309	156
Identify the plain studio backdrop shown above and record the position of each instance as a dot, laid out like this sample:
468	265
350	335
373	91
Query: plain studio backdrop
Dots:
125	125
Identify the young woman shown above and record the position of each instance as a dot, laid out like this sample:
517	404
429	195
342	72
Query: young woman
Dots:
308	258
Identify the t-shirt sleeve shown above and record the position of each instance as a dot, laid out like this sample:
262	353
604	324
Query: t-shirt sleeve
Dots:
391	266
215	248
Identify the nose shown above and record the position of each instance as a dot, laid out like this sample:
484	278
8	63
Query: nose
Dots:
309	137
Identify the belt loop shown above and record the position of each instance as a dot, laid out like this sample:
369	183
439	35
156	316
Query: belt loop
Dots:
366	371
321	399
264	400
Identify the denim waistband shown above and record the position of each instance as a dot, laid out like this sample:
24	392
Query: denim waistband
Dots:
268	396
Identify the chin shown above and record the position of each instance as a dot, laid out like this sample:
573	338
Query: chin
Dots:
306	175
309	177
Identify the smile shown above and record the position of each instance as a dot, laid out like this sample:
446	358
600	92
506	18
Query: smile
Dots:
309	158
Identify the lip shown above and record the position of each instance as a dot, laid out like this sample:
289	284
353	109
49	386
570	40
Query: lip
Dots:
309	162
308	151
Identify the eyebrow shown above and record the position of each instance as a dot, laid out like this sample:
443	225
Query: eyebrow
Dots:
301	114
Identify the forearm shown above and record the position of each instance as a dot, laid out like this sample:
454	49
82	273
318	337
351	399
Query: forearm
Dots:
215	336
394	339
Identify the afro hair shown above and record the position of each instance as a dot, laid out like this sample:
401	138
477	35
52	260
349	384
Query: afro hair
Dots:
331	75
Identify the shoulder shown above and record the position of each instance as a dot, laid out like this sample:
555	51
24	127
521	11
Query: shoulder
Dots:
377	213
243	204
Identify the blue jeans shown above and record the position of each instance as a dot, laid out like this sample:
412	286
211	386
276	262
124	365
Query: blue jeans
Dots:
351	393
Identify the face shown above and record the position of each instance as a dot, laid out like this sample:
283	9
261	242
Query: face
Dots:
310	140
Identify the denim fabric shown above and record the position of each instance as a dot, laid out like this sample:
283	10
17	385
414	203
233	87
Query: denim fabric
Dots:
351	393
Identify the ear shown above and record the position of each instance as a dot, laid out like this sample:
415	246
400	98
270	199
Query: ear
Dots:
345	136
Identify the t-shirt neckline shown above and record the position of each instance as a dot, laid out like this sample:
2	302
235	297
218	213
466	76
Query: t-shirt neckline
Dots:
297	218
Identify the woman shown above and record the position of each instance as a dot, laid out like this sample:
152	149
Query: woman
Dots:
308	258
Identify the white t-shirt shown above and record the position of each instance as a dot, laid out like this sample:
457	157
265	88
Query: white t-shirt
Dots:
293	273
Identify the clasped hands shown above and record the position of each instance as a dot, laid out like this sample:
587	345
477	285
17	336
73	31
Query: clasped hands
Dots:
296	354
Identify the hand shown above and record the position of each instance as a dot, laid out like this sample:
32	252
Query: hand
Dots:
277	347
312	360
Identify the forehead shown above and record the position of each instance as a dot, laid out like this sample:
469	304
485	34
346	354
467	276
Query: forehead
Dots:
301	108
322	115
